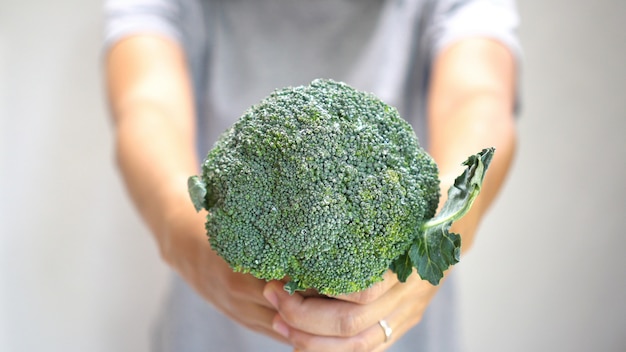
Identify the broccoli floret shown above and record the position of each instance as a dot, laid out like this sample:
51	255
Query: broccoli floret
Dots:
322	184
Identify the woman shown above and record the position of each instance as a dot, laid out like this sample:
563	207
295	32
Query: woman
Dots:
179	72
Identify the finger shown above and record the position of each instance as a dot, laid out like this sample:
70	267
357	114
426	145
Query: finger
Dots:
254	317
373	293
371	339
248	287
215	271
327	316
260	319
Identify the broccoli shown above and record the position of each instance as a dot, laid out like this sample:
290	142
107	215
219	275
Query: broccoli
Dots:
328	187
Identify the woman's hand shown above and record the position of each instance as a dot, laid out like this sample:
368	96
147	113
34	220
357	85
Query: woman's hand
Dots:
350	322
239	296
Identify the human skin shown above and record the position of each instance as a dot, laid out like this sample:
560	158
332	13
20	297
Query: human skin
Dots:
149	89
150	99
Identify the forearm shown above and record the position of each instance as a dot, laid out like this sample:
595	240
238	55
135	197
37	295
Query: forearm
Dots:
151	106
155	161
471	108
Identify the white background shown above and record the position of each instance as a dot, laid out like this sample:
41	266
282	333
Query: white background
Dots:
78	271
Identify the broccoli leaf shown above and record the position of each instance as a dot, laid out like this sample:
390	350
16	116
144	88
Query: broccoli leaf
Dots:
197	191
293	286
436	249
402	266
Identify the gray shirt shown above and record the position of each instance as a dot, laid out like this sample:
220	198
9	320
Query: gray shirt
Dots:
241	50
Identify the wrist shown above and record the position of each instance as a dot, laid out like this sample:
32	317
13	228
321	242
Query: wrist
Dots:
177	225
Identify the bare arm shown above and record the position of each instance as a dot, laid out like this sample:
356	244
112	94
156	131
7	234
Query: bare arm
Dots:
470	108
152	106
150	101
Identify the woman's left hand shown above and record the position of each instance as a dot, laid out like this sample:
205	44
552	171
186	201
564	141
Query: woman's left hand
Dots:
350	322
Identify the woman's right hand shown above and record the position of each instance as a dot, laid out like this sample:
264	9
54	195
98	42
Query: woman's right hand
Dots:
185	247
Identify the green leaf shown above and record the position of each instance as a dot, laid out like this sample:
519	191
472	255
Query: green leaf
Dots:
402	267
433	256
436	249
197	191
293	286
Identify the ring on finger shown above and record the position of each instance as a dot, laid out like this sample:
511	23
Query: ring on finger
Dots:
386	329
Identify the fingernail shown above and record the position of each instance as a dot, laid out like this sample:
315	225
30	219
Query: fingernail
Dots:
271	297
280	328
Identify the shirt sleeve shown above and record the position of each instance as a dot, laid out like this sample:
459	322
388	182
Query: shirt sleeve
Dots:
123	18
454	20
459	19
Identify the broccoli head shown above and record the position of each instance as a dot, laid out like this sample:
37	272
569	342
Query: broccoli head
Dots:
323	185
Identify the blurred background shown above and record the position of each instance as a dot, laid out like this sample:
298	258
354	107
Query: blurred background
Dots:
79	272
